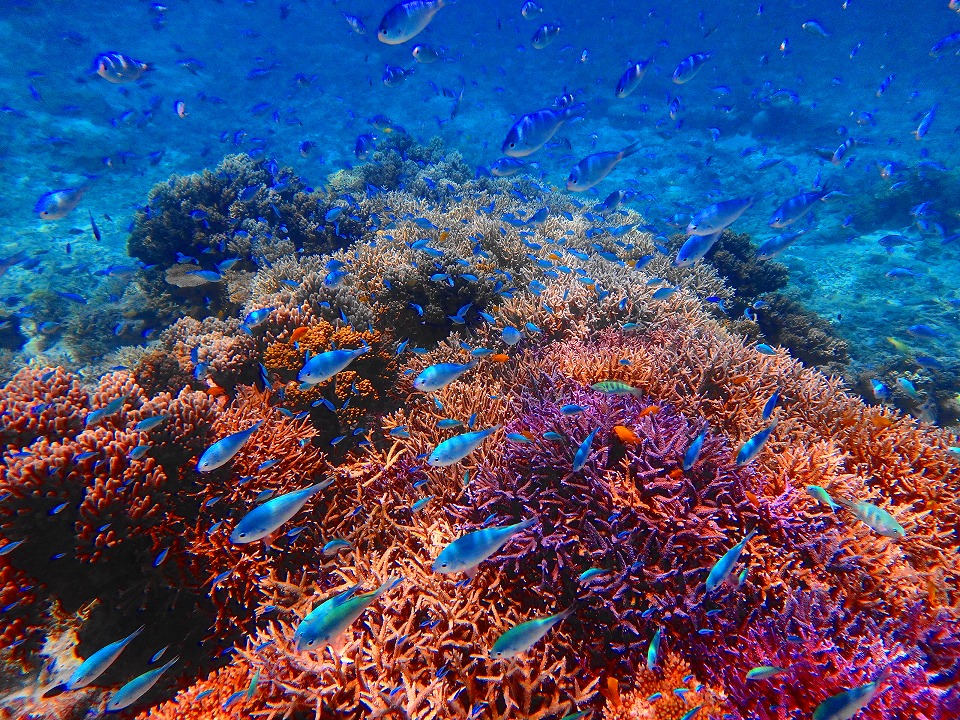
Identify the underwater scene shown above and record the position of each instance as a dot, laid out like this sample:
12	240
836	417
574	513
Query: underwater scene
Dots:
471	360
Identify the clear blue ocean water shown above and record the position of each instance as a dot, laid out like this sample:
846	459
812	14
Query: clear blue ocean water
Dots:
264	77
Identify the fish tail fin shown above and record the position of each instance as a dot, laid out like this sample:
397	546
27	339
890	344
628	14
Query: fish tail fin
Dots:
390	583
749	535
564	614
630	149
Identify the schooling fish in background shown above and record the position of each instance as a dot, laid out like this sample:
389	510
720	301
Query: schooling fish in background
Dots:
532	131
594	168
393	75
925	123
119	68
9	262
364	146
630	80
57	204
355	23
776	245
406	20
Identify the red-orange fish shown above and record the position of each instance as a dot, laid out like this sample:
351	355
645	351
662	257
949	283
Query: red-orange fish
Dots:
500	357
649	410
298	333
625	434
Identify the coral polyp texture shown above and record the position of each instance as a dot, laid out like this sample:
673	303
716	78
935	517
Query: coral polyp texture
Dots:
727	532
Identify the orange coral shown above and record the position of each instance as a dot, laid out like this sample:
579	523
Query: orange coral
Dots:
672	675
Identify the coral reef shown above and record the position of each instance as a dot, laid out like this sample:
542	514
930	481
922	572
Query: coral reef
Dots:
95	495
811	339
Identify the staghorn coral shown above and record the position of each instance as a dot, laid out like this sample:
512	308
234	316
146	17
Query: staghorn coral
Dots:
671	674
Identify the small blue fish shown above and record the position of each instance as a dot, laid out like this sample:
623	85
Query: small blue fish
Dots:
96	416
588	575
95	665
518	438
664	292
223	450
771	405
454	449
692	454
440	375
399	432
583	452
265	519
553	436
572	409
421	504
522	637
688	715
137	688
511	336
149	423
653	650
720	572
467	552
752	447
256	318
335	546
765	349
322	367
448	423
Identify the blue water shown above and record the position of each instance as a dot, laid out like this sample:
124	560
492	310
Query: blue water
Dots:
770	92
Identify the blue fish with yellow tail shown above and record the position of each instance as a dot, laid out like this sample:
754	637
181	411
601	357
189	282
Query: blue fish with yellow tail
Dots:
845	705
524	636
137	688
467	552
653	650
692	454
223	450
441	375
95	665
320	368
583	452
876	518
720	573
326	622
455	449
752	447
267	518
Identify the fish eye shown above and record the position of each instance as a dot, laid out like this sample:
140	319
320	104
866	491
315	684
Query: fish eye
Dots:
243	535
443	564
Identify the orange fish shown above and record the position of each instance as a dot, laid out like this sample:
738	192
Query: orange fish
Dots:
500	357
298	333
676	473
754	500
882	421
625	434
444	234
215	390
650	410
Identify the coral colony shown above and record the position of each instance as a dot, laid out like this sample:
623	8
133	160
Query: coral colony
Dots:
697	523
